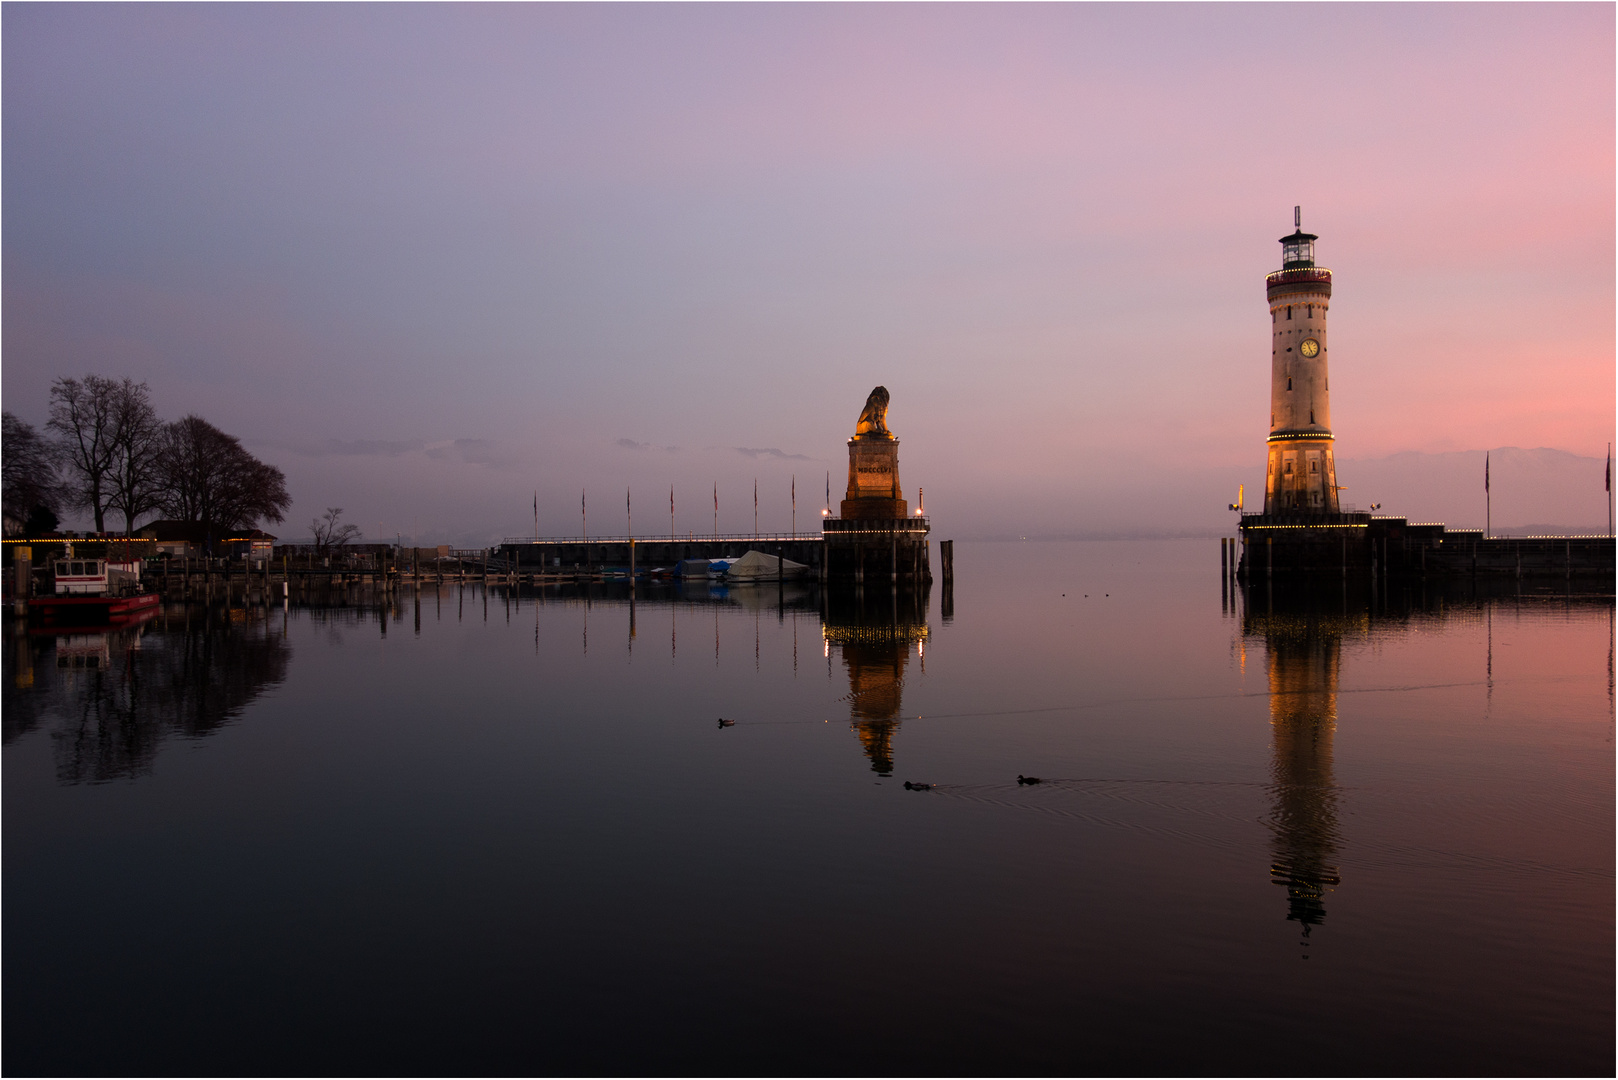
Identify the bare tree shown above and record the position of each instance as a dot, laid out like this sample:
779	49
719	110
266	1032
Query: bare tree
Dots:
208	477
136	475
330	531
33	492
85	416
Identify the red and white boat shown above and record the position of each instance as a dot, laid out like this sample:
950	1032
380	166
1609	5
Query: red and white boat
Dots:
93	590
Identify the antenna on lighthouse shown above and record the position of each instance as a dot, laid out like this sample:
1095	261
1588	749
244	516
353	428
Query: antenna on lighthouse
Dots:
1297	217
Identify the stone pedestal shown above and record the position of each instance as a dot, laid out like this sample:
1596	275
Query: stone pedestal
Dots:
873	480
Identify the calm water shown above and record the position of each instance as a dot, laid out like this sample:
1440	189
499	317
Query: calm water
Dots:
1339	833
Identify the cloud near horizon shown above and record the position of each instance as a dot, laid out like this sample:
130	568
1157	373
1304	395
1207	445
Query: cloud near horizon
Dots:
771	451
471	451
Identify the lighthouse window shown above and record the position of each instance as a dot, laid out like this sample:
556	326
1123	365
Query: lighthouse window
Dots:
1289	311
1288	468
1314	466
1289	384
1311	311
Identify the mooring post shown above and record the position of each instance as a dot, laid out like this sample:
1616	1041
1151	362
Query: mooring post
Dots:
1269	557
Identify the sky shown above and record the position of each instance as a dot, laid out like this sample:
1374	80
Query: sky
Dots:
432	260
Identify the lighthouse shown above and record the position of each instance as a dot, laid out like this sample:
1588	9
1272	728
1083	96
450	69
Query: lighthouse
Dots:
1300	475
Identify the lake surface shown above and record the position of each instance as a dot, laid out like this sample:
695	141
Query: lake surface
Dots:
470	832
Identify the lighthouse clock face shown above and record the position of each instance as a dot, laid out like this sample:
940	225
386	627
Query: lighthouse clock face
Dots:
1310	348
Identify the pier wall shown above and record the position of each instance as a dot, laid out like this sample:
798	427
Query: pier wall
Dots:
1275	544
878	551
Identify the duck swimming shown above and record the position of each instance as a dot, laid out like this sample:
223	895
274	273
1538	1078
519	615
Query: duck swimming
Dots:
1021	779
726	723
917	787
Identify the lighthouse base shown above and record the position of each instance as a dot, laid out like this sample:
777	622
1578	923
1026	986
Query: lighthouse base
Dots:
1301	476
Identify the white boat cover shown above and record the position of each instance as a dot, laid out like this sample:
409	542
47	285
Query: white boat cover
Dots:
757	566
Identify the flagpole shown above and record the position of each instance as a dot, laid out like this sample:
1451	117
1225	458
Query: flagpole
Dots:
755	508
794	506
584	519
716	510
1488	520
1609	489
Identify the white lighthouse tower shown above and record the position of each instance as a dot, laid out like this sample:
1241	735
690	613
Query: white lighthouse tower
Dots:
1301	476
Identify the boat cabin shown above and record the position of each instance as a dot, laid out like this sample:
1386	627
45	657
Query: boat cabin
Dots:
81	577
94	577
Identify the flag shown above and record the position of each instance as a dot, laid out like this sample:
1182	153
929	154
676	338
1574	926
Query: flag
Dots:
794	491
1485	470
1609	468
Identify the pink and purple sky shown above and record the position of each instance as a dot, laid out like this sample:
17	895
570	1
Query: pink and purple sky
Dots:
428	259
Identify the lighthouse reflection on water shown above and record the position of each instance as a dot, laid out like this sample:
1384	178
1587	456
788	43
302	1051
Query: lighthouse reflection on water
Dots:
1303	658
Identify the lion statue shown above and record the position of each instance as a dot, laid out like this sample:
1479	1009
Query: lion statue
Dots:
874	417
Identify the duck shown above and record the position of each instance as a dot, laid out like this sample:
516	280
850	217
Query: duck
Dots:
917	787
726	723
1021	779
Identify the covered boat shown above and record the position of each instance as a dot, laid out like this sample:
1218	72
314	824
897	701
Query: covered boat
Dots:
757	566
